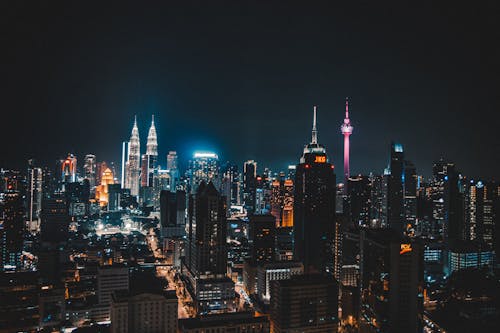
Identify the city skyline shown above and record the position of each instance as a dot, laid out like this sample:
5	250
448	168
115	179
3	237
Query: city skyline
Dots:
264	167
238	96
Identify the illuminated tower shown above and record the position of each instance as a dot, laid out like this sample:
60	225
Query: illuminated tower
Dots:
346	130
68	169
152	144
133	163
149	160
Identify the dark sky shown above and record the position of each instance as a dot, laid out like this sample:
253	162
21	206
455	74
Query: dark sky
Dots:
241	78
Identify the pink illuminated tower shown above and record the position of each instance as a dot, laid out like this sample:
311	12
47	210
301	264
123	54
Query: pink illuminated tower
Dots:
346	130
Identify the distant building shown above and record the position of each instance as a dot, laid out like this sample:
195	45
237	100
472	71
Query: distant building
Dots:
249	185
204	167
262	235
395	188
89	169
68	169
11	230
55	219
469	254
34	195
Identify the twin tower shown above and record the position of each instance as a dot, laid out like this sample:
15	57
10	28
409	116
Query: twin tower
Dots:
138	173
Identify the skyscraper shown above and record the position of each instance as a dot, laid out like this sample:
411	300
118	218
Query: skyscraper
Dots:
346	130
206	253
34	194
55	219
150	159
172	163
249	185
89	169
395	188
133	164
262	234
11	229
68	169
314	208
204	167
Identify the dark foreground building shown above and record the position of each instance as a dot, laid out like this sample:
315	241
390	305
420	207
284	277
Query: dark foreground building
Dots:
314	208
305	303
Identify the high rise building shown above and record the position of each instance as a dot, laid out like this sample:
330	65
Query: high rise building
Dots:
249	185
204	167
172	160
172	213
314	208
102	191
346	130
89	169
55	219
282	202
359	200
392	272
125	148
480	217
395	188
11	230
410	195
205	263
406	287
109	279
150	159
68	169
34	195
231	184
133	170
304	303
261	235
173	169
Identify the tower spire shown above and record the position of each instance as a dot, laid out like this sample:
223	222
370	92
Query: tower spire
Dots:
347	108
314	138
346	130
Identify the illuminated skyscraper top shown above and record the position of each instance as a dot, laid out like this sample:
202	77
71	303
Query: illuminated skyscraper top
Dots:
152	143
346	130
314	147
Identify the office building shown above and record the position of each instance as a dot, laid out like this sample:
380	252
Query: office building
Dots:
205	262
143	312
11	230
395	188
261	236
249	185
204	167
314	208
89	169
304	303
54	219
109	279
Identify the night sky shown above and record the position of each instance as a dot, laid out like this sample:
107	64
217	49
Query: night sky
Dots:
241	78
